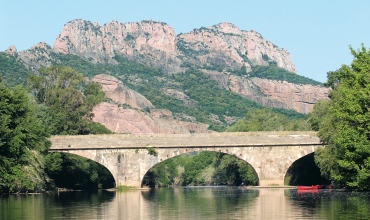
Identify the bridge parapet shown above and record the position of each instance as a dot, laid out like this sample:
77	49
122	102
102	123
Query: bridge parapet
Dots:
229	139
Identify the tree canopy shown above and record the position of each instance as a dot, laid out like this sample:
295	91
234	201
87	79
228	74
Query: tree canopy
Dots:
22	140
61	90
345	124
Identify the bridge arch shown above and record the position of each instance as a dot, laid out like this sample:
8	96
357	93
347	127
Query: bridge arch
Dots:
197	154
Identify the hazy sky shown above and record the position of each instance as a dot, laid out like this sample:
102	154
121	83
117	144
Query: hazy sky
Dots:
316	33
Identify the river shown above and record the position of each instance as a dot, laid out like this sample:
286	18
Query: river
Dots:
189	203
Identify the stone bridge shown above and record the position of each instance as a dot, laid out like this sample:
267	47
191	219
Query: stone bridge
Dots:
127	156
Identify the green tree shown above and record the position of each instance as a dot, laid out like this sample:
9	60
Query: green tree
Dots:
68	105
345	128
22	141
64	106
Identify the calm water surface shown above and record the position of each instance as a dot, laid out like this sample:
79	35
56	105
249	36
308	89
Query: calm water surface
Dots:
189	203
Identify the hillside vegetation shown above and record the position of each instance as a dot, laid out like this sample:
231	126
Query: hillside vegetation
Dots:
12	71
214	105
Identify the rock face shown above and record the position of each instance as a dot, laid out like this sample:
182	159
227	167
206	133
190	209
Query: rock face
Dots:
156	43
120	94
272	93
226	45
12	50
298	97
153	41
139	122
278	94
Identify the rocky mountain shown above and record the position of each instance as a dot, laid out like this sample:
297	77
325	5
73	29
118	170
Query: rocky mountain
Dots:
155	43
145	59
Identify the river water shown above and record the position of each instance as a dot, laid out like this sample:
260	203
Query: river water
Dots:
189	203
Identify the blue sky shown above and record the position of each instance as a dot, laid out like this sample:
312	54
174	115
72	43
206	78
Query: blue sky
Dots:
316	33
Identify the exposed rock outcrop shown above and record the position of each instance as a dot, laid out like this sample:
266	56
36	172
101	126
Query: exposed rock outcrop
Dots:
12	50
278	94
298	97
226	45
139	122
120	94
156	43
272	93
153	41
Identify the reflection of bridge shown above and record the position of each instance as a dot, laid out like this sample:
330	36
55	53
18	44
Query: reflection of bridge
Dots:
127	157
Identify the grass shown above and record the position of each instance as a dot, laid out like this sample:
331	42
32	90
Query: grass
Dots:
123	188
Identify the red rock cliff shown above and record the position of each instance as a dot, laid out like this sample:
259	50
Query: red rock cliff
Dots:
156	43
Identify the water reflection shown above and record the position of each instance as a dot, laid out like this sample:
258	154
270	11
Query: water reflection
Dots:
332	204
201	202
189	203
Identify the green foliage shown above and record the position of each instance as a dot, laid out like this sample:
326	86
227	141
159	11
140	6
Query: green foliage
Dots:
12	71
276	73
319	115
75	172
162	175
233	171
267	120
123	188
152	151
124	66
67	106
196	165
346	126
81	65
22	139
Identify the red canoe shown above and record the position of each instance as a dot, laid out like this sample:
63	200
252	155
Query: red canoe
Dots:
309	187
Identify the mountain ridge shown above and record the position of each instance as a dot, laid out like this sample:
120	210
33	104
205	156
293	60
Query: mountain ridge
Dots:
155	43
149	54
